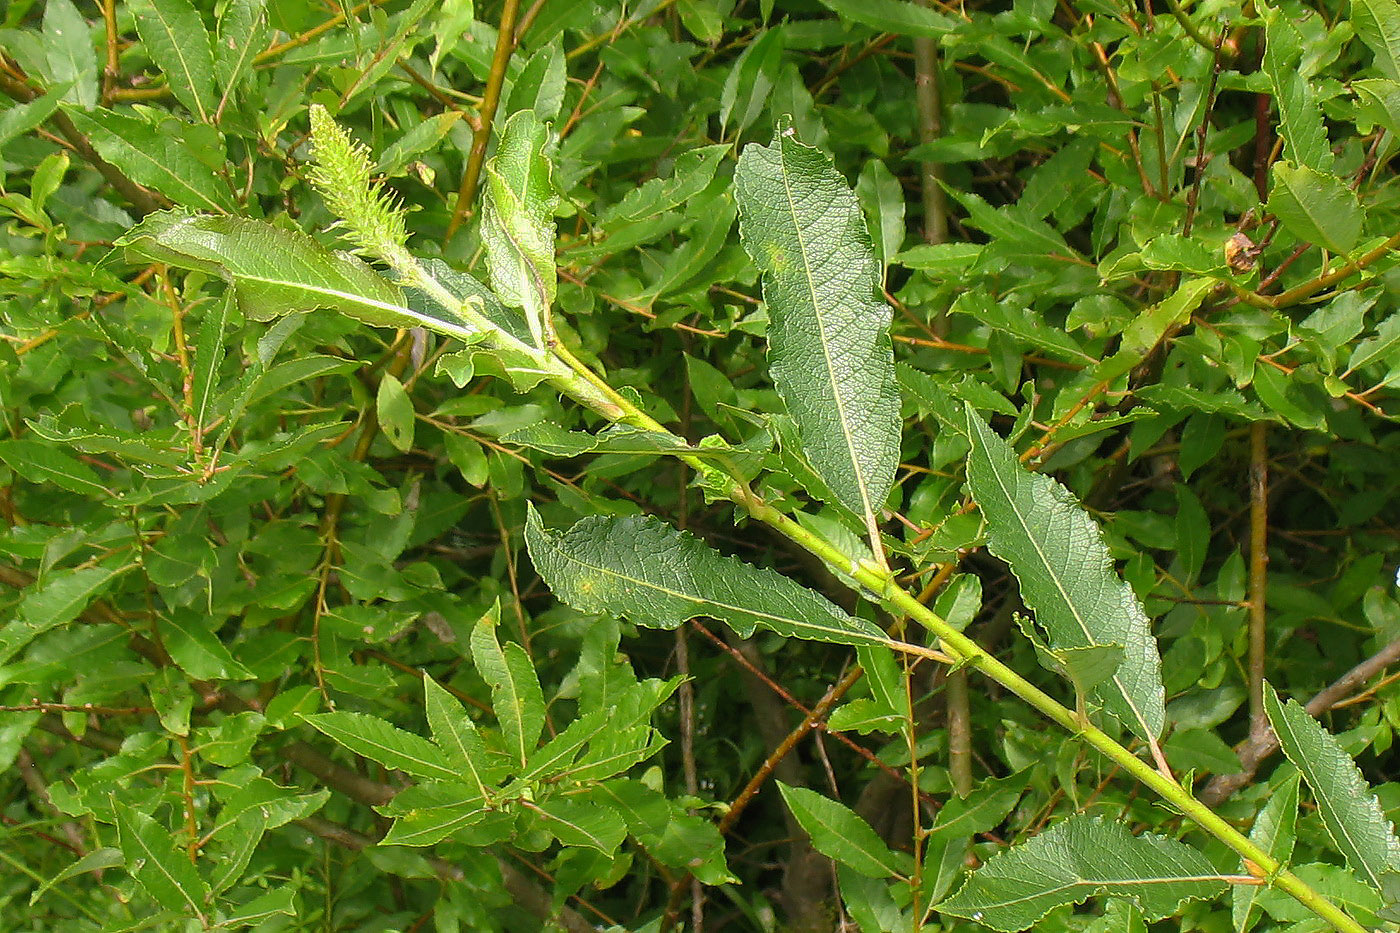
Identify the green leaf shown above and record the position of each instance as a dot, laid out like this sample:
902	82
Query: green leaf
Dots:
838	833
22	118
455	734
377	740
1080	857
829	346
176	40
1273	831
42	463
901	17
96	860
1377	22
275	271
644	570
692	173
517	222
197	650
555	441
882	200
1348	808
163	871
1315	207
580	822
1300	114
155	157
431	825
395	410
1066	575
70	55
57	599
515	688
243	33
208	354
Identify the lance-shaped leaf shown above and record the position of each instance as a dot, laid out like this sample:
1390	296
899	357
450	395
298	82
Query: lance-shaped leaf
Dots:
517	221
1348	808
645	570
1273	831
152	859
1066	575
839	833
515	687
276	271
829	348
1081	857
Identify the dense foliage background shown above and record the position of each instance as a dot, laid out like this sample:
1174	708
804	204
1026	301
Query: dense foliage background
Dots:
1153	245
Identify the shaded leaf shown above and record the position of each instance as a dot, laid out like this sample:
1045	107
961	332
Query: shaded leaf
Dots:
1377	22
395	410
840	834
515	688
1273	831
41	463
643	569
54	601
897	16
68	48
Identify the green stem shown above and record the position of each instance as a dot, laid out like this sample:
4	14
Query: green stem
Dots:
572	377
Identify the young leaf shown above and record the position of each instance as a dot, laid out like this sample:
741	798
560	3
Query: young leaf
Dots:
1273	831
1348	808
828	336
515	688
840	834
1066	575
208	354
517	222
395	410
455	734
387	744
275	271
642	569
152	859
1080	857
176	40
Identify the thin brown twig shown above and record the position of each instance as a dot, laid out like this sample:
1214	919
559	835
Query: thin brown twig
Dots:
1254	750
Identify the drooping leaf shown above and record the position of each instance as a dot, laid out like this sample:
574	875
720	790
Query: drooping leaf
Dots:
175	38
840	834
156	158
643	569
1345	802
166	873
1066	576
517	221
829	346
515	688
1315	207
1078	858
385	743
1274	832
275	271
